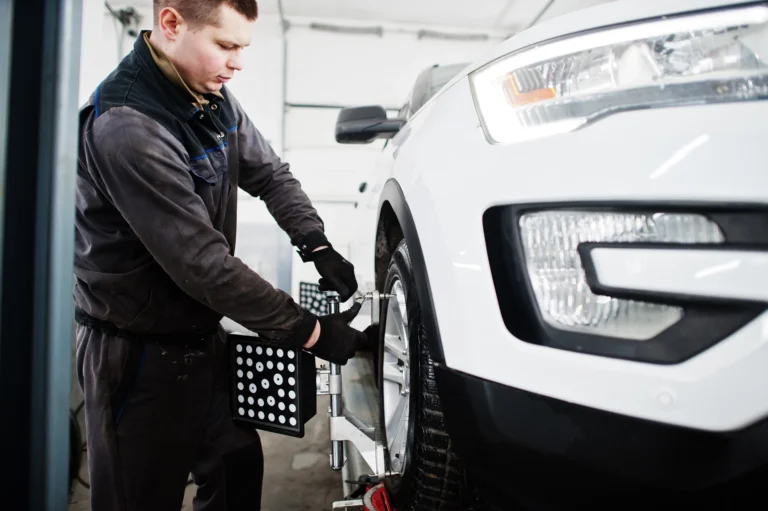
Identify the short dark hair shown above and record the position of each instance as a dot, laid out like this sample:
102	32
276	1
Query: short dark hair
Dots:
203	12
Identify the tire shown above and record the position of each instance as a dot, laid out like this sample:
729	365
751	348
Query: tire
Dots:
432	477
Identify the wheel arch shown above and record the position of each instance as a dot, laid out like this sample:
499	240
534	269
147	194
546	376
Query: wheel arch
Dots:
395	223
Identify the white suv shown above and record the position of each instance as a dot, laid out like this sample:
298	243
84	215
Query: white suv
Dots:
576	232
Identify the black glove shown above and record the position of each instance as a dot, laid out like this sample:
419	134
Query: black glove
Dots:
338	341
337	274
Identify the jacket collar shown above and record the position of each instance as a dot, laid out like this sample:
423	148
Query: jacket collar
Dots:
184	102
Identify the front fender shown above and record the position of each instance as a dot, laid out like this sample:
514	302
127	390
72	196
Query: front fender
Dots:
392	199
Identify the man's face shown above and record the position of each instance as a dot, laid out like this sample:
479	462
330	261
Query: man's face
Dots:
208	56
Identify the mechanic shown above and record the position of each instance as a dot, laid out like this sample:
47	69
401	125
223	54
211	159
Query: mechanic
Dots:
163	148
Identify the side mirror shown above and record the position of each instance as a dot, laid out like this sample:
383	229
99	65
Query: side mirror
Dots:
363	125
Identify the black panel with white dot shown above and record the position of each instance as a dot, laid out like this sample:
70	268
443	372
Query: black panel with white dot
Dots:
268	386
312	299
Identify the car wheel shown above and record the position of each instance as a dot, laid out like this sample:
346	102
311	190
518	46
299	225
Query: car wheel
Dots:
418	447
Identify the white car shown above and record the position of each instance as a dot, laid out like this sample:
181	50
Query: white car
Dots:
576	232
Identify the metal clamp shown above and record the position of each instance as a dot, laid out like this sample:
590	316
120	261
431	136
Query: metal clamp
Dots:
323	381
345	426
375	297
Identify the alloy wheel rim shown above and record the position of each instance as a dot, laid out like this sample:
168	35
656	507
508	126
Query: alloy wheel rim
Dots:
396	377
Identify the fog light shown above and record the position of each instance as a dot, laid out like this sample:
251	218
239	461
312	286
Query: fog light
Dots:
550	243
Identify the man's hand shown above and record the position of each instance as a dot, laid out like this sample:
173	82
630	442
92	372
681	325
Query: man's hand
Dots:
337	274
338	341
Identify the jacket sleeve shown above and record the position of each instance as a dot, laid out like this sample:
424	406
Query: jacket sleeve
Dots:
143	170
264	175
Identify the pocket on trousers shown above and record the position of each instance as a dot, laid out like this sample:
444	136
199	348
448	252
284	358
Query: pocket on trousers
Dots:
126	364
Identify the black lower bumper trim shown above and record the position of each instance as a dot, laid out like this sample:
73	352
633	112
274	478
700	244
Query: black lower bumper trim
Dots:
513	441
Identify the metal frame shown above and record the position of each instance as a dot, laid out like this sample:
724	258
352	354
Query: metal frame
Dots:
38	246
344	425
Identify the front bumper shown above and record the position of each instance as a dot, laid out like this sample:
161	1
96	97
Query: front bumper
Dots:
719	385
520	443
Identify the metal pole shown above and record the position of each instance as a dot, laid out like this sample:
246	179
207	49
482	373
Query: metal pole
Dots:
284	251
337	447
6	26
38	250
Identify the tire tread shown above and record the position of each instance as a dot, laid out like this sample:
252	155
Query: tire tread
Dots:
438	480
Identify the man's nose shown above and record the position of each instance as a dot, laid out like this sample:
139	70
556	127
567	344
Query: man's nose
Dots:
235	62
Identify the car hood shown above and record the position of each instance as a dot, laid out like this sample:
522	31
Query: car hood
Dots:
599	16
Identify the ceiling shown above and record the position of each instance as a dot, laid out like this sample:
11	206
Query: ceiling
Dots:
477	14
507	16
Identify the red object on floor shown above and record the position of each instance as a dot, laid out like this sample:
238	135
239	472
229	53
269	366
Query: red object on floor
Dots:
377	499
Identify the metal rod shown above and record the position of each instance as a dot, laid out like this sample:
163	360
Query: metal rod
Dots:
337	447
539	15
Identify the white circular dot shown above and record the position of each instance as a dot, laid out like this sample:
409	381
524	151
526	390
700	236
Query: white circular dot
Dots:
279	353
292	408
281	406
278	379
280	366
269	352
241	411
259	351
291	381
251	413
282	420
290	354
239	348
239	361
265	383
291	367
281	393
259	366
240	398
293	421
261	403
261	415
249	349
239	373
292	395
270	365
249	374
240	386
250	400
249	362
271	417
271	401
252	387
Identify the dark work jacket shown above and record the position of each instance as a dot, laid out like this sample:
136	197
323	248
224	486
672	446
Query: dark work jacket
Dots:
157	208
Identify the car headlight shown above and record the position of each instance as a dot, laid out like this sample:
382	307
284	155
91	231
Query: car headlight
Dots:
550	241
560	86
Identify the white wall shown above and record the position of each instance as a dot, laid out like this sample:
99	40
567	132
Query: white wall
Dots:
330	68
322	67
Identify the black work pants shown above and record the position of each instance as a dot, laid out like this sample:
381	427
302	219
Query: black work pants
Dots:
153	415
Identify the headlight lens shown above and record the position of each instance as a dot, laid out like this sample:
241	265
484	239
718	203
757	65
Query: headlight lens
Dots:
550	242
560	86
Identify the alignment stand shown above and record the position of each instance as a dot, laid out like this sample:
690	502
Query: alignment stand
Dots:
344	425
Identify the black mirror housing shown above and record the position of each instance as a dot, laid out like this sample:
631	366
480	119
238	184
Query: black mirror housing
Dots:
363	125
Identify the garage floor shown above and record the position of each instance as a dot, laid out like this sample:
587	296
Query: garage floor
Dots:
297	472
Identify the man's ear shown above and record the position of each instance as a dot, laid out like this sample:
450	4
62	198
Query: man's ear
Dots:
170	22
